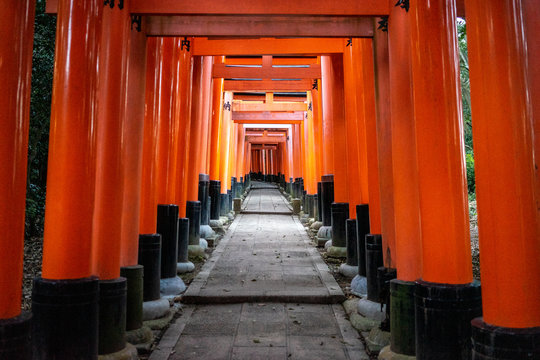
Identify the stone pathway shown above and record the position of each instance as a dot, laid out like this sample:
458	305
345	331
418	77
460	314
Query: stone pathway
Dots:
265	199
264	294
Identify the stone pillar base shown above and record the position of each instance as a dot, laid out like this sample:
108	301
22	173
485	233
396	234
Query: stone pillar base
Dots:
196	250
296	204
377	340
155	309
337	252
184	267
323	235
171	287
349	271
207	232
316	226
237	205
371	310
142	335
359	285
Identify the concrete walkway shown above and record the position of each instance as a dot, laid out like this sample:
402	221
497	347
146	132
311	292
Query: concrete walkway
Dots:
264	294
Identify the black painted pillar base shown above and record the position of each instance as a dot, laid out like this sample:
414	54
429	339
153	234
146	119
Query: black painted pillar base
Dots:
65	319
352	242
134	296
15	337
350	267
384	276
183	265
319	201
402	340
215	201
327	199
443	315
204	192
167	226
224	207
150	259
315	207
491	342
229	192
340	214
374	259
290	186
183	239
112	315
233	187
362	229
193	213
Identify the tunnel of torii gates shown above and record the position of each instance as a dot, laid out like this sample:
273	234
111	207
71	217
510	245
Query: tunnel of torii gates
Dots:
357	102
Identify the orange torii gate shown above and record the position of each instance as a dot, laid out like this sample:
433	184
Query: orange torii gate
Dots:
428	209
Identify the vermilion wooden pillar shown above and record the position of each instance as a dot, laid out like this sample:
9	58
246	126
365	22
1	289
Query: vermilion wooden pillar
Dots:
310	148
225	142
182	114
284	160
505	179
207	113
443	324
132	147
531	17
67	244
107	218
199	127
445	229
240	154
351	116
247	158
405	173
334	112
15	73
303	155
290	152
317	128
384	148
132	139
362	98
148	214
233	148
217	117
408	234
297	149
165	137
367	103
327	124
72	144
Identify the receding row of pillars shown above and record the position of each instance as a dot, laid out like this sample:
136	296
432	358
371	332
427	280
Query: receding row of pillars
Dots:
405	161
387	125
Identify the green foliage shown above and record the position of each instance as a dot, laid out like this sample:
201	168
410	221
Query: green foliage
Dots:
469	158
40	112
466	101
